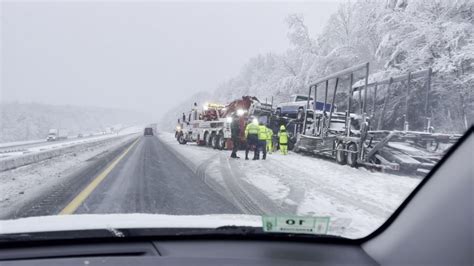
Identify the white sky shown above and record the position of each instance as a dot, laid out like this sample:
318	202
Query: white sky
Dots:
145	56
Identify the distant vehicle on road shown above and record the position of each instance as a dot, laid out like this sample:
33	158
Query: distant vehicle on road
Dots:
148	131
80	135
57	134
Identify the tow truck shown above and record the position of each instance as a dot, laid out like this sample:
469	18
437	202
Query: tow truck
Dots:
211	126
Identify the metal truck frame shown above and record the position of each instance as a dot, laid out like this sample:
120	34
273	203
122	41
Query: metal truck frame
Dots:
349	137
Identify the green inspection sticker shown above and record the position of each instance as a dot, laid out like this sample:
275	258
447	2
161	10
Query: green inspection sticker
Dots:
295	224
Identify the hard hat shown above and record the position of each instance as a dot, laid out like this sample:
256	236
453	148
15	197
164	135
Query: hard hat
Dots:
282	127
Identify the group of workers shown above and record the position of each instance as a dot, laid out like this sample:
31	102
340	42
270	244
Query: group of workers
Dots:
259	136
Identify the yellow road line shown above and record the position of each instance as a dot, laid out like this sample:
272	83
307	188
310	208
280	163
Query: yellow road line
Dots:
81	197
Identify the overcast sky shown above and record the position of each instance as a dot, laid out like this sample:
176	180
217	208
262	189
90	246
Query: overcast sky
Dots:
145	56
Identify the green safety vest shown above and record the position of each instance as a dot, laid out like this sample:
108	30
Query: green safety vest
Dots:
251	129
283	137
269	134
262	132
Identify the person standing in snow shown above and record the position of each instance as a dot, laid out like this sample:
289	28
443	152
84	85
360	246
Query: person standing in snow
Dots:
269	140
251	135
262	141
235	135
283	140
194	112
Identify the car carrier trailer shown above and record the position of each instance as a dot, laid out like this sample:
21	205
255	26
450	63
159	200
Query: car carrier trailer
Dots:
355	137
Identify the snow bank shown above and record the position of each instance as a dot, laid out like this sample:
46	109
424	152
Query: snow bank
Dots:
51	150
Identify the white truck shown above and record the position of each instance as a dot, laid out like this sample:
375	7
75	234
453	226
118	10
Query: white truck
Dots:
212	126
57	134
213	133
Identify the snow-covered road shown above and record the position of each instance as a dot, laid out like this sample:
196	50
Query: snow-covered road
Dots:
158	175
357	200
23	184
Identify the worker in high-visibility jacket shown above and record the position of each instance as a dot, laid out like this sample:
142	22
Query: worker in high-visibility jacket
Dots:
262	140
251	135
283	140
269	140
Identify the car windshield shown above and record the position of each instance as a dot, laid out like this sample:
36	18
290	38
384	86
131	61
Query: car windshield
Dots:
300	98
156	114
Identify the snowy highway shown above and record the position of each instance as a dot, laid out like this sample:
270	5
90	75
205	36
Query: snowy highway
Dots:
150	179
154	174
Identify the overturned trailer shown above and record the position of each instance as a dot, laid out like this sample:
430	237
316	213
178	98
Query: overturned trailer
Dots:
355	137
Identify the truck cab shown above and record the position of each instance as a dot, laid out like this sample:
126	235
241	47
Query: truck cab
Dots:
52	135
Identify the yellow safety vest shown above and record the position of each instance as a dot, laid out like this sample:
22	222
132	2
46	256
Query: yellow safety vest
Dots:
262	132
283	137
251	129
269	134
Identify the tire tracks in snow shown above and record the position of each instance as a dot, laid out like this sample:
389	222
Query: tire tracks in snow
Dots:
247	196
358	201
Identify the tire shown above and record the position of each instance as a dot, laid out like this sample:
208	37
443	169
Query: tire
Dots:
341	156
181	139
209	139
215	141
221	142
352	157
205	139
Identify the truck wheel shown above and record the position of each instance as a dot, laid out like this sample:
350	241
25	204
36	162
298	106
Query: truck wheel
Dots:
352	156
209	139
206	138
340	154
181	139
215	141
221	142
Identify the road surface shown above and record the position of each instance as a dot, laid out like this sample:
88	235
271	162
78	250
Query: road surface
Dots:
140	177
150	179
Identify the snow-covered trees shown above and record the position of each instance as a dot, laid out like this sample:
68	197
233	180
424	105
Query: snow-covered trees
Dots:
395	36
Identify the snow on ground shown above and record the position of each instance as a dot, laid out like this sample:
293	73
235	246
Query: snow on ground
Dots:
357	200
19	148
123	221
24	183
19	143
